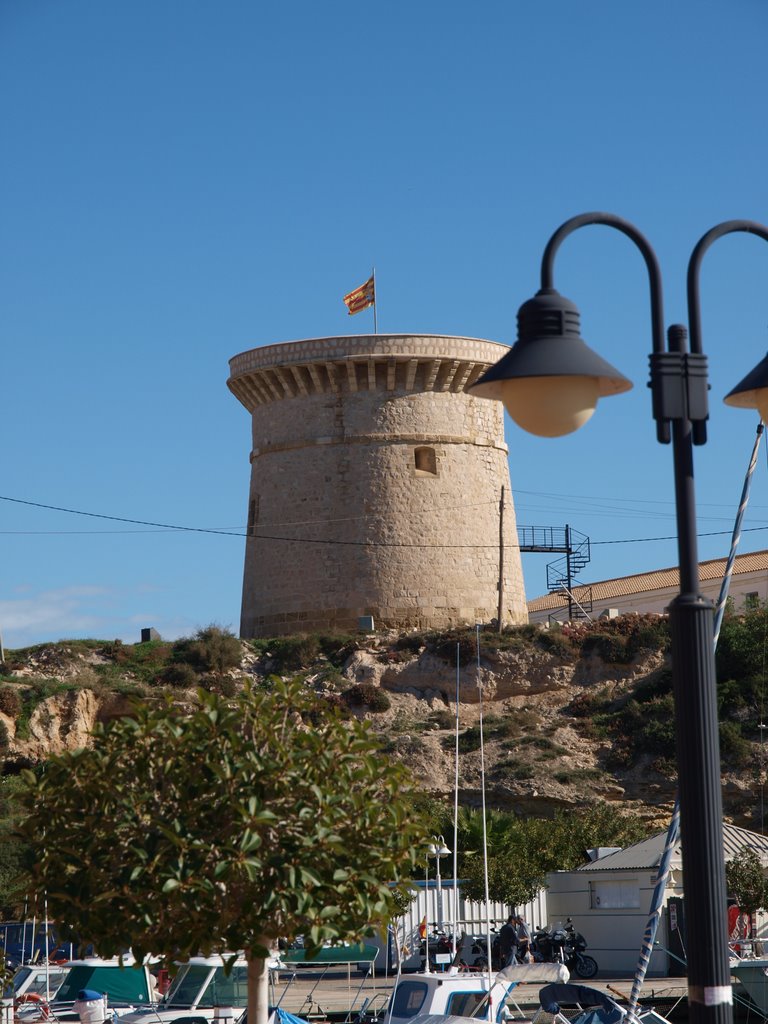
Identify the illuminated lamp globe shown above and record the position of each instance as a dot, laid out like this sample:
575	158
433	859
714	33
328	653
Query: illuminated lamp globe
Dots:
550	406
752	392
550	380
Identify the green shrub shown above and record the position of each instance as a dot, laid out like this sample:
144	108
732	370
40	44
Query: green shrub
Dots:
735	750
144	661
609	648
211	650
367	695
180	676
292	653
554	641
544	744
225	685
10	701
587	704
456	642
338	648
469	740
443	719
569	776
412	642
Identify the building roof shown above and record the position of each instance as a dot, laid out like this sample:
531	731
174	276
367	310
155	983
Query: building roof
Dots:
644	582
646	855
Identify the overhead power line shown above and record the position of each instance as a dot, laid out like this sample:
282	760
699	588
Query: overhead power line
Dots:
239	532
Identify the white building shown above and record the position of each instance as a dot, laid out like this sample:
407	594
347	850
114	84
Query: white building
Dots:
609	900
653	591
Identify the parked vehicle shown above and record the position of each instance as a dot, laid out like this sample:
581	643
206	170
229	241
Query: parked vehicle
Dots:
565	945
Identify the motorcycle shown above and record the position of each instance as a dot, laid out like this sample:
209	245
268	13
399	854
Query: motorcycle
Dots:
565	945
474	952
437	943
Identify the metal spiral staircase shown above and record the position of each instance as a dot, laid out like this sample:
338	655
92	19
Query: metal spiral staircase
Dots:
562	573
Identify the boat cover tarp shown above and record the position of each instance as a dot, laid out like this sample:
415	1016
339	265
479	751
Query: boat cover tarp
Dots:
552	997
283	1017
348	954
121	984
598	1015
520	973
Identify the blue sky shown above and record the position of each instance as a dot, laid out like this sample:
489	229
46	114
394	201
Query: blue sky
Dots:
182	180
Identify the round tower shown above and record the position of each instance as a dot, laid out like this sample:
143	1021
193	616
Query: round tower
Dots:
379	487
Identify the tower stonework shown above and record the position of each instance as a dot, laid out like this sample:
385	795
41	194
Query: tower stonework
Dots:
376	483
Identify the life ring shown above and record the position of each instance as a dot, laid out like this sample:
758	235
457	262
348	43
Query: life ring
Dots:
37	1000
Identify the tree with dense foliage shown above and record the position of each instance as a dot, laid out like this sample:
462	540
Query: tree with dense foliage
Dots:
13	849
521	851
222	828
746	882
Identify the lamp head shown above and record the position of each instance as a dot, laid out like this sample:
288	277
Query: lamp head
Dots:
438	848
752	392
550	380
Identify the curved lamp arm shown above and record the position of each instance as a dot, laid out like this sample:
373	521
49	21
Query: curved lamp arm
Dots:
612	221
694	266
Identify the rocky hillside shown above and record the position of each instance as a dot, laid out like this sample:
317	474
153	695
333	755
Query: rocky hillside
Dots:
571	716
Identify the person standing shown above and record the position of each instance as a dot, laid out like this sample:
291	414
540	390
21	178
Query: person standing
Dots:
508	942
523	939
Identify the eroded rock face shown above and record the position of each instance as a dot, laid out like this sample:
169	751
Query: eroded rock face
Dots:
539	753
503	674
58	723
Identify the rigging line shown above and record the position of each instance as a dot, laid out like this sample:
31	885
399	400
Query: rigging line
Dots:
226	530
646	540
118	519
232	532
613	498
106	533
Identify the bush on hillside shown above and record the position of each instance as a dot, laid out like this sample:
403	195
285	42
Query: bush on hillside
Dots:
367	695
212	650
10	701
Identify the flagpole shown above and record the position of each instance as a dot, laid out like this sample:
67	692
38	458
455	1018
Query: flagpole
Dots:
375	323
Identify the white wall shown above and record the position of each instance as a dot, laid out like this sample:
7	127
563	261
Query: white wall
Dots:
471	916
614	935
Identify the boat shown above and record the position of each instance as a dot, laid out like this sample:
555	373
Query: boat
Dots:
752	975
201	985
125	984
35	983
204	986
436	998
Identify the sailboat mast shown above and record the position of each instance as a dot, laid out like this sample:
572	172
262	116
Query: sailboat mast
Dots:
456	813
485	825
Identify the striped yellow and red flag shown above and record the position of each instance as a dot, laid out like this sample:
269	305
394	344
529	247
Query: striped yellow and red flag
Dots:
423	927
361	298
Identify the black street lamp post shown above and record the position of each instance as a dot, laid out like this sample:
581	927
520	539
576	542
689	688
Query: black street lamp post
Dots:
549	382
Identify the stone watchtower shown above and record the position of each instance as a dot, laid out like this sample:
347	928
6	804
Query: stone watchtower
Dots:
376	484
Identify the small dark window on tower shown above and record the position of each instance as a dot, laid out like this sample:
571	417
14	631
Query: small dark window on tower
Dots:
752	600
426	461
